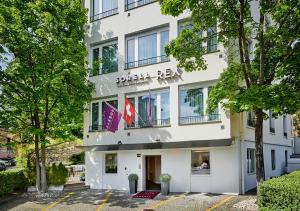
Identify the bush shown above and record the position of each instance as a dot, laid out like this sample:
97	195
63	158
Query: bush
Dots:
57	175
281	193
12	180
165	177
133	177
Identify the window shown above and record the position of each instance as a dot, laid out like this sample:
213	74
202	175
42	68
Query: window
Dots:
131	4
153	109
210	33
144	49
95	116
105	59
200	162
250	161
284	126
273	159
286	157
111	163
271	122
215	114
251	119
103	8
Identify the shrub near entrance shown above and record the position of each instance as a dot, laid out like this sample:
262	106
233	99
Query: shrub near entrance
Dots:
57	175
281	193
11	180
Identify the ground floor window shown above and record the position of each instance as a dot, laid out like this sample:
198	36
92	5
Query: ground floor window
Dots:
111	165
200	162
250	161
286	158
273	159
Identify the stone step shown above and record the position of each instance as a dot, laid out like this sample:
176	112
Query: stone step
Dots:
76	186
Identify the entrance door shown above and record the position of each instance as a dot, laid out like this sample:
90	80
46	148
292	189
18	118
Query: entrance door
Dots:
152	172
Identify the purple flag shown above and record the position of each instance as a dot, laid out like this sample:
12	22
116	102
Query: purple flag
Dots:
111	118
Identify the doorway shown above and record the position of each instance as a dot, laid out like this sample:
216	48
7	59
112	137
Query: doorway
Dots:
152	172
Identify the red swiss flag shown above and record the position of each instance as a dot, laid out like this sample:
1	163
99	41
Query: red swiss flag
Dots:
128	114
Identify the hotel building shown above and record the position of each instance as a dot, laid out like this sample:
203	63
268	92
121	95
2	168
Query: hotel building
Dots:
128	37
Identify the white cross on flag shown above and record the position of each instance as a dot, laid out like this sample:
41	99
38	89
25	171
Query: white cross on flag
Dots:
128	114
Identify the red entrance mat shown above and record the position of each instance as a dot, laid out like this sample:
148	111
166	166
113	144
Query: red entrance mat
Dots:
146	194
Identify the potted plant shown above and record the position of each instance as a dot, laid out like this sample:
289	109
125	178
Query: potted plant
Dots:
133	179
165	183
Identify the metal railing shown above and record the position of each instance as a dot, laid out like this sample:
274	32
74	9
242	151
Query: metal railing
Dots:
148	61
147	124
104	14
139	3
199	119
96	128
104	70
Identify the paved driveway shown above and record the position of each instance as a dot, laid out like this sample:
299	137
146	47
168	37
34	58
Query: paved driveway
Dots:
97	200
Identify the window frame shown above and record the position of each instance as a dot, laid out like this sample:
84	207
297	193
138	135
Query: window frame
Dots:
117	163
102	14
100	50
248	157
159	107
209	160
252	120
273	159
135	37
284	126
271	123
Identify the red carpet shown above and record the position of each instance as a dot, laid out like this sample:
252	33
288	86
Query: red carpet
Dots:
146	194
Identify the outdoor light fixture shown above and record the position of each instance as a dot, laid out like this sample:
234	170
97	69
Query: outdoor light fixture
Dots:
120	142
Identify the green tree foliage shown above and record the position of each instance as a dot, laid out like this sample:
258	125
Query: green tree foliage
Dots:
44	88
266	79
57	174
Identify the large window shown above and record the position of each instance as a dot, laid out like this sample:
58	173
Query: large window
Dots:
273	159
105	59
251	119
200	162
211	35
153	109
144	49
271	122
250	161
103	8
111	163
131	4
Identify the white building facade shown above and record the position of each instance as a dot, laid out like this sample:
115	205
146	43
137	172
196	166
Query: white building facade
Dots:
202	152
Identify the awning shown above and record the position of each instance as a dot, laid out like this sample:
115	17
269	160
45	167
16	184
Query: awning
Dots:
159	145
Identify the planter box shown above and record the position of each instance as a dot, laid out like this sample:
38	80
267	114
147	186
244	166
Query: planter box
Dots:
56	188
133	186
165	188
31	189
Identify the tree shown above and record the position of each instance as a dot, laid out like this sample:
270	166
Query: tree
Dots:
44	88
266	79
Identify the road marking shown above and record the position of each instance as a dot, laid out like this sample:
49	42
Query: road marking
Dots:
164	202
219	203
105	200
57	202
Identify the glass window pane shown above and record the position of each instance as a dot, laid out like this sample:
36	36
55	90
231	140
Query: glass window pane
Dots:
109	58
212	40
200	162
130	53
144	110
96	7
147	49
215	114
96	62
95	116
111	163
109	5
191	105
165	108
164	40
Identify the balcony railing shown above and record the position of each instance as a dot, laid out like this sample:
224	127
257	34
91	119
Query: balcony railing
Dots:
96	128
147	124
199	119
100	71
148	61
135	4
104	14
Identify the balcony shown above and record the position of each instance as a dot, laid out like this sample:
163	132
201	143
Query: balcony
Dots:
131	5
146	62
199	119
104	14
147	124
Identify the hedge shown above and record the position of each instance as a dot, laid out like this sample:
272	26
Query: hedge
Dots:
57	174
281	193
12	180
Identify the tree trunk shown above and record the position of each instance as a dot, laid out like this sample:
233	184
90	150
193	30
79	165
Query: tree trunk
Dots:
259	151
37	163
43	168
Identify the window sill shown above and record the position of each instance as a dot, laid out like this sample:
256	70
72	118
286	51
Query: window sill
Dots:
200	175
251	174
250	127
137	128
272	133
110	174
91	75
